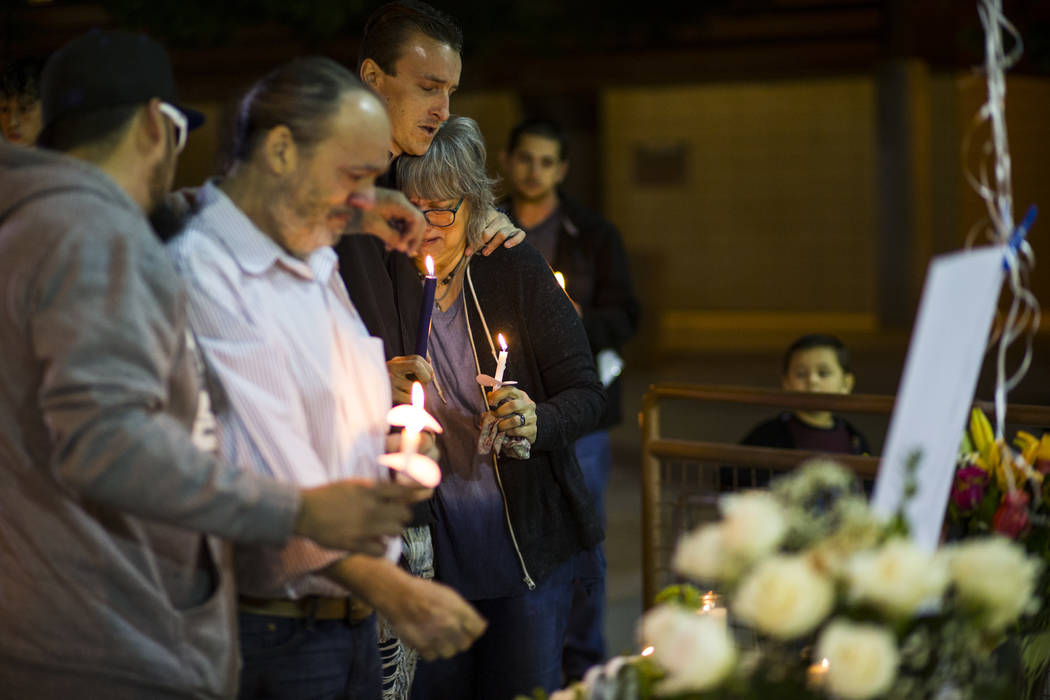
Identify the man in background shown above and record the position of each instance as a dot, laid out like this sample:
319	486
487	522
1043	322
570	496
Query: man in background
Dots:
588	251
20	114
110	588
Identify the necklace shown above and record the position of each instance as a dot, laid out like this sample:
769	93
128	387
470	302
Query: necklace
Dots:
448	278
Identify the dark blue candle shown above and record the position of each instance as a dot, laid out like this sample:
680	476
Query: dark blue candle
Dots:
429	287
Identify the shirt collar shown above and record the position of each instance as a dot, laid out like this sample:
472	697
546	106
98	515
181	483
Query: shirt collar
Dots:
251	249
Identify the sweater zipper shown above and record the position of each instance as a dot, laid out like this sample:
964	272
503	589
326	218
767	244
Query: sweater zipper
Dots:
529	582
506	512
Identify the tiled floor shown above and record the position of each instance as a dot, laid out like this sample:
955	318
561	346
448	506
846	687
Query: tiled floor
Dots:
878	371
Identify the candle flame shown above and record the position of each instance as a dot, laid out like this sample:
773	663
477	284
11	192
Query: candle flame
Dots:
824	663
429	262
417	395
561	279
502	341
648	651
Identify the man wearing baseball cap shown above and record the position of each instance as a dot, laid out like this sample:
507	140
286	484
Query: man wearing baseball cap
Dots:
109	588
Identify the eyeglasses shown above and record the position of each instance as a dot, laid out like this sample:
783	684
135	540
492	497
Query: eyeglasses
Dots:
442	218
178	119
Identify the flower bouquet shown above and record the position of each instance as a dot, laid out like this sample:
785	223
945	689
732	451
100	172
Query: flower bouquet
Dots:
825	600
1003	489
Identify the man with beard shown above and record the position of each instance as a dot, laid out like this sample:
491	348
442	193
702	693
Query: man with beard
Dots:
306	386
109	588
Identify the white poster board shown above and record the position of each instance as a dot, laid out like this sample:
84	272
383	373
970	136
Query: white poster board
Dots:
936	390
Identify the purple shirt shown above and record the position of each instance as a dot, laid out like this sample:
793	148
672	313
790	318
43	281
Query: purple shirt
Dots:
473	552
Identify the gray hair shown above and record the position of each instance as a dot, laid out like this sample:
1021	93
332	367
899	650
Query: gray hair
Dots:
453	167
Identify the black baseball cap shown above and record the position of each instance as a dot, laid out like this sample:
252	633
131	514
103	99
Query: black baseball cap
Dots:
106	69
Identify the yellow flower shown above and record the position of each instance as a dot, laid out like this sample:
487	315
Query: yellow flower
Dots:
1035	452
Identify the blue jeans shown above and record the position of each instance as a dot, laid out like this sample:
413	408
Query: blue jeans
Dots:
584	639
519	651
288	658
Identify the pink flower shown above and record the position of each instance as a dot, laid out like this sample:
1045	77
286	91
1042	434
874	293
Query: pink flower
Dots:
1011	519
969	487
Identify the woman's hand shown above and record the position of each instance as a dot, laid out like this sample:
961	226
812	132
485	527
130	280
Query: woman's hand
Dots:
515	412
405	370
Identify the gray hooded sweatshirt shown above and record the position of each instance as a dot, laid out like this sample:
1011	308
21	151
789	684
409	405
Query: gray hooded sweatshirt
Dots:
108	589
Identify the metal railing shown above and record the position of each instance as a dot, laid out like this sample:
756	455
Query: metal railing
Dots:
682	479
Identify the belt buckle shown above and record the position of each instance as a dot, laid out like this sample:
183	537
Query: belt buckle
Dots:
356	610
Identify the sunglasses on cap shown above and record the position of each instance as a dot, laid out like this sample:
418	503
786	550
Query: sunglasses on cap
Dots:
178	119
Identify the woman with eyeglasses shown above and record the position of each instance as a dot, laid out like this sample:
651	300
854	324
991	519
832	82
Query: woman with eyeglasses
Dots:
507	522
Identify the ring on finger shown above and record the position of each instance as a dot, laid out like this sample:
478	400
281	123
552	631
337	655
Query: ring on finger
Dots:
521	417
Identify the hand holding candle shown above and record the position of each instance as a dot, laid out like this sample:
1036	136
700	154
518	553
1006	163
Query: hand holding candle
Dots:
501	367
427	309
413	418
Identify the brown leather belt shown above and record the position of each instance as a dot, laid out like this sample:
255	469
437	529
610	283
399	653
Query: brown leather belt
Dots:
320	608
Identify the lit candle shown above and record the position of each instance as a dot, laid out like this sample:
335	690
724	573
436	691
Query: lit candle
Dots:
414	422
501	360
561	279
427	309
413	418
816	674
709	606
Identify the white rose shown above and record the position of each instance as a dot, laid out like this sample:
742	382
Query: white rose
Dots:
994	576
695	650
700	555
897	578
784	597
753	524
862	659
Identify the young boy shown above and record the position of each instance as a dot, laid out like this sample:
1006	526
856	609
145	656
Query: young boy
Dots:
815	363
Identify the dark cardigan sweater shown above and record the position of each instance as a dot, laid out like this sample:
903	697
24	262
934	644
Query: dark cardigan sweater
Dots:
550	510
589	251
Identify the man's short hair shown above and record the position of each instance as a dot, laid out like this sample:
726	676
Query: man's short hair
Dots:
389	27
453	167
21	78
547	128
302	95
819	340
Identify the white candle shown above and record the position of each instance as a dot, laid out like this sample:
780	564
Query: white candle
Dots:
710	607
501	360
410	434
413	418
